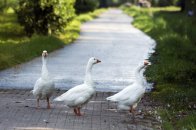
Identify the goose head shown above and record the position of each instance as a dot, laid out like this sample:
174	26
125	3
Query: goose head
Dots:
88	79
139	72
142	66
146	63
93	61
44	54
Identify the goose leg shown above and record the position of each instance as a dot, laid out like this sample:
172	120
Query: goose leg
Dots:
48	103
75	111
37	102
132	110
78	109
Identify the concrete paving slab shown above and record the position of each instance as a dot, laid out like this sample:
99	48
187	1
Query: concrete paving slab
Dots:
18	112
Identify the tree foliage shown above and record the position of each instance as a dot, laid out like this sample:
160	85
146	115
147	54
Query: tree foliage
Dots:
184	4
4	4
115	3
190	4
83	6
164	2
45	16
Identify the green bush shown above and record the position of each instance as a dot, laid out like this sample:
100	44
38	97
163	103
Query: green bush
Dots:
5	4
44	17
83	6
165	2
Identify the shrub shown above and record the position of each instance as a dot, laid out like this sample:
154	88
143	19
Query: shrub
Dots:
44	17
83	6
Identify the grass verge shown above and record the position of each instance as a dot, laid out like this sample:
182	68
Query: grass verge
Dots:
174	62
16	48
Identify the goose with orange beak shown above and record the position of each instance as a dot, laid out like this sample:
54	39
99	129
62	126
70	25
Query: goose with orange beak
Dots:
80	95
129	97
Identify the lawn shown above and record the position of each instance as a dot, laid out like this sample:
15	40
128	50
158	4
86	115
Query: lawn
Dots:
16	48
173	66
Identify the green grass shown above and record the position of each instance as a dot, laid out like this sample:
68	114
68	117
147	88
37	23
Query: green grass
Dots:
174	62
16	48
16	53
178	120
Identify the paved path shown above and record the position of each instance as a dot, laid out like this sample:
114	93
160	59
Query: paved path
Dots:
111	38
18	112
121	48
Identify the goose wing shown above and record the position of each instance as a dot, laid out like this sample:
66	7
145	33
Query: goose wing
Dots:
77	95
124	94
37	87
44	87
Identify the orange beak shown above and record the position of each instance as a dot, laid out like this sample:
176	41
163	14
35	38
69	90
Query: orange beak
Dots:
98	61
45	54
146	62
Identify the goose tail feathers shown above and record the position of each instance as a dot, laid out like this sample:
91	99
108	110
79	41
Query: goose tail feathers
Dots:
111	98
31	91
58	99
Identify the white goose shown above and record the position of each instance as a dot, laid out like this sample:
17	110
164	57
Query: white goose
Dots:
44	86
129	97
79	95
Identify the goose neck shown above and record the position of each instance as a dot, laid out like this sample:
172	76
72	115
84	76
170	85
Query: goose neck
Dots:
89	68
88	77
139	75
44	68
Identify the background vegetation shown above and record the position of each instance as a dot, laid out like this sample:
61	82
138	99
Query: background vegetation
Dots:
15	45
44	17
83	6
174	63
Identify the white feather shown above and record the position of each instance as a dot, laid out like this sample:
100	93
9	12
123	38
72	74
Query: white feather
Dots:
44	86
81	94
131	95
